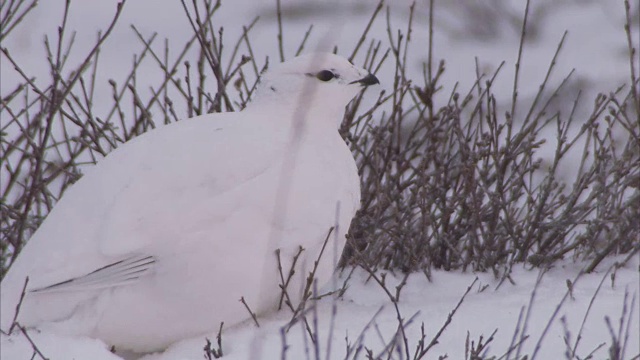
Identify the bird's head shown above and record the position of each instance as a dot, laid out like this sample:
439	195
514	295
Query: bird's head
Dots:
320	82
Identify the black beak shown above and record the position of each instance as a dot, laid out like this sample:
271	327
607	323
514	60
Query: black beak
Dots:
367	80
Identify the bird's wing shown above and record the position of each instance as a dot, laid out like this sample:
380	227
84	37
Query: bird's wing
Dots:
143	193
118	273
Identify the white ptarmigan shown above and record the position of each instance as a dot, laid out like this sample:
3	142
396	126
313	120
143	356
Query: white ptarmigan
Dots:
160	240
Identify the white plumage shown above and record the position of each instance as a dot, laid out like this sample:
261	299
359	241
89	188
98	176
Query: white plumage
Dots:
160	239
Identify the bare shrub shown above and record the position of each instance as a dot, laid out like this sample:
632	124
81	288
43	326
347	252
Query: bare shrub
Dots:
462	185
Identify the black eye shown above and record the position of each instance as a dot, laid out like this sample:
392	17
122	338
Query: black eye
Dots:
325	75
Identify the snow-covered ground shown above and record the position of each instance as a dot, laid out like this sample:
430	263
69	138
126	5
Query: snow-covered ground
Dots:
595	47
366	318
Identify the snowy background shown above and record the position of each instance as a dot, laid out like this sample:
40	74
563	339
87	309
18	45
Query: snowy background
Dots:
465	30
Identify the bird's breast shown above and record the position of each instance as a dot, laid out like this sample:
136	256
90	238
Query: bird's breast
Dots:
321	183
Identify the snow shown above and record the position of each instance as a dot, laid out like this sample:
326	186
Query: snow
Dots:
365	316
595	47
597	53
